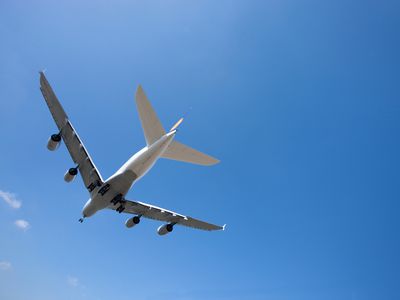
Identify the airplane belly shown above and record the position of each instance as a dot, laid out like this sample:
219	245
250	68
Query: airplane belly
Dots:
140	168
146	161
140	165
135	168
121	182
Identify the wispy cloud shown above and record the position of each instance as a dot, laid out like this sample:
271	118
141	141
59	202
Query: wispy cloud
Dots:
72	281
22	224
5	265
10	199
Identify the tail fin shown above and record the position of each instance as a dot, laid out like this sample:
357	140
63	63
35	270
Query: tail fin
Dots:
181	152
153	130
151	125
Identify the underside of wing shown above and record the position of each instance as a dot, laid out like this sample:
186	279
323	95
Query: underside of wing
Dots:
164	215
56	110
90	175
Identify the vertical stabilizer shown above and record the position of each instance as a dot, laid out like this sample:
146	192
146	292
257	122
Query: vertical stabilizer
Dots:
151	125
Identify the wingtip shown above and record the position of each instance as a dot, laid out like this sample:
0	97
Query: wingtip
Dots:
223	227
139	91
43	79
213	161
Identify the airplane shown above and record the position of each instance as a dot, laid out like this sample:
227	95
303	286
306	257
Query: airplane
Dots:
110	193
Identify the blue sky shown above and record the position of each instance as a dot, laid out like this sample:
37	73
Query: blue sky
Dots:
299	100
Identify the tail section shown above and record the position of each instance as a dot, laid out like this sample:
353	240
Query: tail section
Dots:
181	152
151	125
153	130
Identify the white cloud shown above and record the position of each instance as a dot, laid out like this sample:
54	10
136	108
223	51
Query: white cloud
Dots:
22	224
72	281
10	199
5	265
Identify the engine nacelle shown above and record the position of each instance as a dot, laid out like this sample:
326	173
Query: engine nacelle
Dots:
54	142
132	221
71	174
164	229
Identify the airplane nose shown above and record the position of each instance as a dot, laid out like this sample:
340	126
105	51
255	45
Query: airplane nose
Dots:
88	209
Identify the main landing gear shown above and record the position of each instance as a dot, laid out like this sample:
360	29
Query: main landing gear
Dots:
120	208
119	199
104	189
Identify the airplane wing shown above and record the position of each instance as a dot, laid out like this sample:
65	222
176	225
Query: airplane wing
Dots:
161	214
90	175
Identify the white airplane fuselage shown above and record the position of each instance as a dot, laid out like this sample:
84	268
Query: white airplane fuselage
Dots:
120	183
111	194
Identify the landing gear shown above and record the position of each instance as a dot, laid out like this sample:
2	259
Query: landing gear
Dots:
120	208
104	189
82	219
117	199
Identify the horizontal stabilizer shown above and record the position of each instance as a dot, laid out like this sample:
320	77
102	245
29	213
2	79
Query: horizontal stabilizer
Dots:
181	152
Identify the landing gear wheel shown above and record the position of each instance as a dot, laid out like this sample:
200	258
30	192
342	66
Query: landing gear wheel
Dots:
120	208
116	199
104	189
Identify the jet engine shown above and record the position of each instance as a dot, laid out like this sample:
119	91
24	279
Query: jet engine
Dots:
54	142
70	175
164	229
132	221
